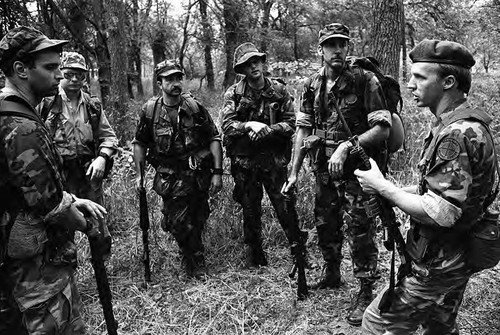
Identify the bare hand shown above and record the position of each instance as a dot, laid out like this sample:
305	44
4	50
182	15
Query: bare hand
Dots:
289	185
215	184
370	180
139	185
96	169
258	130
336	162
90	208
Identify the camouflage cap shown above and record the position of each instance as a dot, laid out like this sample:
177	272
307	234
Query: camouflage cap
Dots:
243	53
73	60
167	67
333	30
22	40
443	52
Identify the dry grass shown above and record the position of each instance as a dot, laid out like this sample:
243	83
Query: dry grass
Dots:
235	300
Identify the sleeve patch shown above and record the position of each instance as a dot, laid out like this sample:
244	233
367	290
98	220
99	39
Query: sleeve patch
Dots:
448	149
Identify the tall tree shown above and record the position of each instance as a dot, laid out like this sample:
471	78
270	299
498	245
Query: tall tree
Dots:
207	45
386	35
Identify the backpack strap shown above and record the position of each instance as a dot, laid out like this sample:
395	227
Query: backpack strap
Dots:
191	103
13	105
239	90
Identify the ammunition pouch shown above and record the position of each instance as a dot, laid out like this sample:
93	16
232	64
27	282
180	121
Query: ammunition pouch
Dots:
417	242
321	144
483	245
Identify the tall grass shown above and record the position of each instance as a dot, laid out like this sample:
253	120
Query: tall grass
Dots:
233	300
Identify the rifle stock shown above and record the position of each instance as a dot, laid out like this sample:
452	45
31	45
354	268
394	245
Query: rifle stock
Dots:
100	245
298	248
144	224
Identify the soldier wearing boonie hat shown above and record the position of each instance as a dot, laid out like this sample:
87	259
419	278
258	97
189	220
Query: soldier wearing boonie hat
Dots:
457	174
340	87
258	123
182	143
83	136
38	292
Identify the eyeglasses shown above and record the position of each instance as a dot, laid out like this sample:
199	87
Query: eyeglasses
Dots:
77	75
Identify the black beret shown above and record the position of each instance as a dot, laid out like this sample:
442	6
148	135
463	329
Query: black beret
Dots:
443	52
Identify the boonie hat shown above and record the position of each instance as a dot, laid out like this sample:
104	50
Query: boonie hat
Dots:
22	40
167	67
333	30
73	60
243	53
443	52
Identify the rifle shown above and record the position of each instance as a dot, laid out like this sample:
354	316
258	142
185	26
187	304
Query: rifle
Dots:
144	224
379	206
100	245
297	247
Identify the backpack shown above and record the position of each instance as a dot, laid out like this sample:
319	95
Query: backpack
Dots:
392	93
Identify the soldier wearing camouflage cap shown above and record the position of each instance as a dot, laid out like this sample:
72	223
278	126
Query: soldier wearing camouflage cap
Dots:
258	123
80	130
38	293
178	137
339	87
457	174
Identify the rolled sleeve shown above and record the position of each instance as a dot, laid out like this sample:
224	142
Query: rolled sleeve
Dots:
443	212
106	134
375	102
305	116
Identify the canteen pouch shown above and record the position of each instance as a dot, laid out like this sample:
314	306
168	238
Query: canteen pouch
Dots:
416	244
483	244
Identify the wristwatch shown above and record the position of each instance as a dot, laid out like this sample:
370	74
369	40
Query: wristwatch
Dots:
104	155
218	171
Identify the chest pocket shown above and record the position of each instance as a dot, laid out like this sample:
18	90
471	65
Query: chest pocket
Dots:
352	110
194	129
164	134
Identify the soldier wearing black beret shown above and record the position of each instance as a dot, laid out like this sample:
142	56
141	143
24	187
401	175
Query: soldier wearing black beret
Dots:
457	172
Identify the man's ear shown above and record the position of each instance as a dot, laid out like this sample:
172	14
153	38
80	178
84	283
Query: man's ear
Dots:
320	50
449	81
20	69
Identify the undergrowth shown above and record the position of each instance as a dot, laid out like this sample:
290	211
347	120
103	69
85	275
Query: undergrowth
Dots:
235	300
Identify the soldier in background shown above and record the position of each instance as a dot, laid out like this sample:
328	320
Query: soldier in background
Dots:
81	131
457	170
183	144
258	124
38	293
358	95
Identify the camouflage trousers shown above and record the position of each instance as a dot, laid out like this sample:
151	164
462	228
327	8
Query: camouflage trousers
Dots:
57	314
337	203
185	206
249	181
430	302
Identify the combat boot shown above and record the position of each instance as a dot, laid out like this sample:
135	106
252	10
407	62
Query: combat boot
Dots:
331	277
255	256
199	266
364	298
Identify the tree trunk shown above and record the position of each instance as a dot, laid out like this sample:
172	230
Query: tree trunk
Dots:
102	52
386	35
207	42
231	20
159	49
185	34
403	42
266	11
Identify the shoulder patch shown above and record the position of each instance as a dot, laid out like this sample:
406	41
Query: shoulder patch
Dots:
448	149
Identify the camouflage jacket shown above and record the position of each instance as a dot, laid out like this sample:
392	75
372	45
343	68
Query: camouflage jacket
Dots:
170	141
457	173
32	198
79	133
272	105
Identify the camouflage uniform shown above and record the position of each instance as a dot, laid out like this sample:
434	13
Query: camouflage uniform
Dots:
457	173
79	135
37	264
178	140
262	163
339	201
